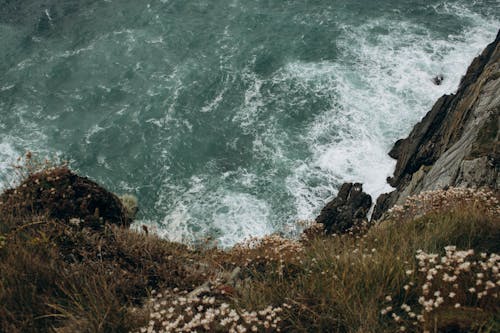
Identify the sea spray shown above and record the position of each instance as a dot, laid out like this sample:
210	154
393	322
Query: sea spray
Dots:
228	119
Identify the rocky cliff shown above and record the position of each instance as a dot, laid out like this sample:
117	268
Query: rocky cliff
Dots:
347	210
457	142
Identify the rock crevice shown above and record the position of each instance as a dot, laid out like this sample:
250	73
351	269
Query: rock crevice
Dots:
457	142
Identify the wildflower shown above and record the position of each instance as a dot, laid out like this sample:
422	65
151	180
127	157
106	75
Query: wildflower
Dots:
425	289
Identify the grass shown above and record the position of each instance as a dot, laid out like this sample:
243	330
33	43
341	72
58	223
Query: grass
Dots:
55	277
343	283
52	276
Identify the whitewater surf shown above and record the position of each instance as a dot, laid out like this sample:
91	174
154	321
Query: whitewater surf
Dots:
227	119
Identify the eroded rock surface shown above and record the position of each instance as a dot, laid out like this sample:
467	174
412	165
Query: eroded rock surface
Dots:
457	142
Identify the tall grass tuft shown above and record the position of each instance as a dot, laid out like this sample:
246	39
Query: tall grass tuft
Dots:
431	265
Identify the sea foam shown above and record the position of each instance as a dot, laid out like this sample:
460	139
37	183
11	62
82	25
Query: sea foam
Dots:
232	122
383	91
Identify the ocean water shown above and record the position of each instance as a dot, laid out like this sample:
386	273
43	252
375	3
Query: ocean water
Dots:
226	118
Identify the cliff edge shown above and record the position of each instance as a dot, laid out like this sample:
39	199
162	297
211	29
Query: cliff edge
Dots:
457	142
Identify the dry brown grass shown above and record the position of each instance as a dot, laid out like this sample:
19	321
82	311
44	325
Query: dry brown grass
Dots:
55	276
343	281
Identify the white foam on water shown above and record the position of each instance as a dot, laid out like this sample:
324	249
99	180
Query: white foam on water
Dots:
175	225
252	105
384	90
227	215
8	158
240	216
214	103
379	87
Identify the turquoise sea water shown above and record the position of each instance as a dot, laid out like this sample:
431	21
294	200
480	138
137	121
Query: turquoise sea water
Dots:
228	118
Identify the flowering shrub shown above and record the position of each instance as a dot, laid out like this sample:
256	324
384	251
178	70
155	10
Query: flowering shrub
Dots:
334	283
442	200
458	279
271	254
274	247
175	311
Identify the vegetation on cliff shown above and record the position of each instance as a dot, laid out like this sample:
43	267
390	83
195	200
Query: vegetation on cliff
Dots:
70	263
430	266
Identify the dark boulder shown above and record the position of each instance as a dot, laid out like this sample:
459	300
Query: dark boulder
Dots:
384	202
347	210
438	79
62	195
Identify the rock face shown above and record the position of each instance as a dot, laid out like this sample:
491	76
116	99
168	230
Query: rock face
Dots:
457	142
348	209
64	196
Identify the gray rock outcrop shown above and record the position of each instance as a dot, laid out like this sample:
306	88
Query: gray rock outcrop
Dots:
457	142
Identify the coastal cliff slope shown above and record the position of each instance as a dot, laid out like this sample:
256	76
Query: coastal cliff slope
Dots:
70	263
456	144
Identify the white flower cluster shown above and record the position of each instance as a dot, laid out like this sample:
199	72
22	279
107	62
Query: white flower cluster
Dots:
269	250
175	311
439	200
459	278
274	243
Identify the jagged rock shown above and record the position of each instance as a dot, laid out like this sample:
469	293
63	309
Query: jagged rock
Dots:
64	196
438	79
457	142
384	202
348	209
446	123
